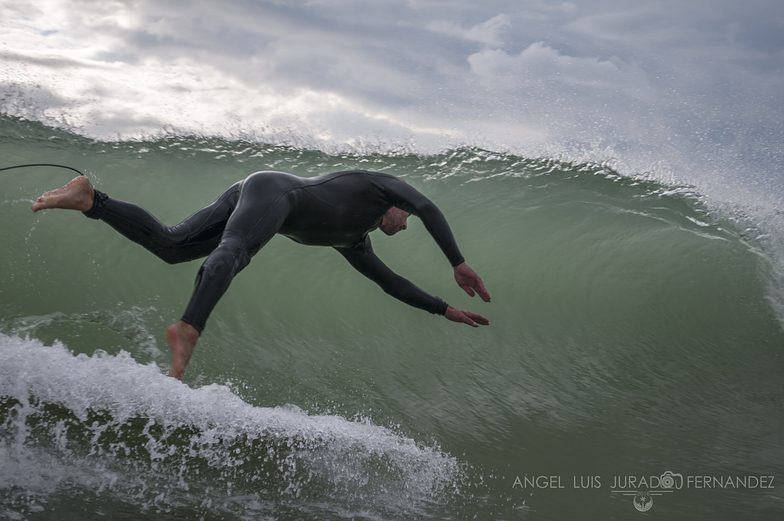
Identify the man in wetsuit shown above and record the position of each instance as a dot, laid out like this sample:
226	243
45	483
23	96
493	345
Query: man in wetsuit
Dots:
337	210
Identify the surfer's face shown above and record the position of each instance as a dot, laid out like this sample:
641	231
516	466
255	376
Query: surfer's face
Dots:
394	221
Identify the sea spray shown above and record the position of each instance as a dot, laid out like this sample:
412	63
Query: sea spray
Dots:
105	424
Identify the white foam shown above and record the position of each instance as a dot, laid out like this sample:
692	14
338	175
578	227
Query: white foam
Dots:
221	430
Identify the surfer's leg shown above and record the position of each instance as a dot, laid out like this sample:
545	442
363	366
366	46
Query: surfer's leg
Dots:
193	238
76	195
260	212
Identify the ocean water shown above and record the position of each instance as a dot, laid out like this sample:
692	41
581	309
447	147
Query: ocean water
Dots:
633	358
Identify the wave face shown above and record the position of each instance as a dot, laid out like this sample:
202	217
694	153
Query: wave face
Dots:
635	329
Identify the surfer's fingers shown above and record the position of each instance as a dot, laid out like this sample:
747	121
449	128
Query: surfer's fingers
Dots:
467	289
476	286
458	315
477	318
480	288
466	317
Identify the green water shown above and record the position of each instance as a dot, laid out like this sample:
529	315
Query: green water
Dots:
632	332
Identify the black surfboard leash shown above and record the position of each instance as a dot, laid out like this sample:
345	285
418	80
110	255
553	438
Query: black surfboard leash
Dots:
41	164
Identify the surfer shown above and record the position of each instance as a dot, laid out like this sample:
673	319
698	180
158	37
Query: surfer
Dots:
337	210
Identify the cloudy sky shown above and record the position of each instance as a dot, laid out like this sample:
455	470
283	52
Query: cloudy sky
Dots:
673	84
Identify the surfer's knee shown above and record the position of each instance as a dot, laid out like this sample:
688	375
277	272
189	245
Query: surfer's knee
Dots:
228	259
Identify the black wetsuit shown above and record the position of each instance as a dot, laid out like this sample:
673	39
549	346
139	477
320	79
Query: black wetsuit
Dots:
337	210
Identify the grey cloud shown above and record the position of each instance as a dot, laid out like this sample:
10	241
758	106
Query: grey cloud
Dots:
54	62
635	74
487	32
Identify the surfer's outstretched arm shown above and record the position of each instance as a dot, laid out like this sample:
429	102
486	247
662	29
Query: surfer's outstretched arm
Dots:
364	260
412	201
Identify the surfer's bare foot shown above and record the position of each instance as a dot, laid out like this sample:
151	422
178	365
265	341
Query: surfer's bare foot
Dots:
182	339
76	195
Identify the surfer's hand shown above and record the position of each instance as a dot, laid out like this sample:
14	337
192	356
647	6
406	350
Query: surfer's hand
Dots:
465	317
468	280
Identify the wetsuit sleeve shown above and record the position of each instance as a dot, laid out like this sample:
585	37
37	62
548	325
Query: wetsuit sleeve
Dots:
365	261
409	199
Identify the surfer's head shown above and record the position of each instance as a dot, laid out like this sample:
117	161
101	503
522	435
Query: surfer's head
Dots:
394	221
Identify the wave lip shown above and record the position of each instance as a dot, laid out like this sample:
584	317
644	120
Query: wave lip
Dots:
107	425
